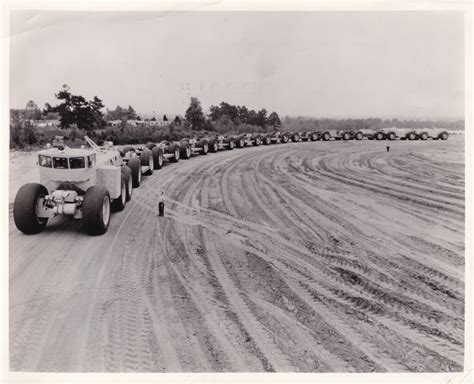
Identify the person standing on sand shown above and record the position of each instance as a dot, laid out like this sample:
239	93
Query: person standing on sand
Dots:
388	148
161	204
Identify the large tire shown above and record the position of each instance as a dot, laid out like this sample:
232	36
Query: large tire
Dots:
24	208
359	136
96	210
240	143
295	137
134	165
346	136
231	143
257	140
213	147
174	149
424	136
150	146
326	136
127	174
204	144
391	136
285	138
379	136
443	135
146	160
313	136
411	136
185	150
267	140
119	203
157	155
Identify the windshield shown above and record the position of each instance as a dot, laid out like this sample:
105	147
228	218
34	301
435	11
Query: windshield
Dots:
60	162
45	161
76	162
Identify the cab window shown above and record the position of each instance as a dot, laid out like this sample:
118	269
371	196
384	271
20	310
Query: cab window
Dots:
60	162
45	161
91	160
76	162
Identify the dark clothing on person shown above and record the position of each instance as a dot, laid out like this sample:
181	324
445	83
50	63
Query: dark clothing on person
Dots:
161	208
388	148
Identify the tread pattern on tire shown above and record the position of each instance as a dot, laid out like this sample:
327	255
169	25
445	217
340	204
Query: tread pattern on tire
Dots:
24	208
92	210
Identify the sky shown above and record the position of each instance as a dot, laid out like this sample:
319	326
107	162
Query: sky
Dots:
322	64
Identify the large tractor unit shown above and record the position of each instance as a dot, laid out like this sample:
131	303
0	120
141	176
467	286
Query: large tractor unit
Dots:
141	161
247	140
309	136
425	135
169	150
193	146
219	142
276	137
84	183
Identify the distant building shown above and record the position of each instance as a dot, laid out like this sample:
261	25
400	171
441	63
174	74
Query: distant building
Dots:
45	123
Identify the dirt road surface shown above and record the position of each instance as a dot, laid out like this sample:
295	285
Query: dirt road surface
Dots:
315	257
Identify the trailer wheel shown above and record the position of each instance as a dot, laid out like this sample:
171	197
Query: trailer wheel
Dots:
379	136
185	150
204	144
424	136
411	136
359	136
134	165
119	203
127	174
24	208
96	210
213	146
231	144
326	136
346	136
146	160
240	142
257	141
443	135
174	149
266	140
295	137
313	136
157	155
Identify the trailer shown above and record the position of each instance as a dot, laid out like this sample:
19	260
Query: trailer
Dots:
248	139
192	146
219	142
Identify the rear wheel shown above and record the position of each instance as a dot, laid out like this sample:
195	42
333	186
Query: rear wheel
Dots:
119	203
359	136
231	144
443	136
326	136
205	146
241	142
285	138
25	208
346	136
295	137
213	146
146	160
185	150
313	136
424	136
392	136
96	210
411	136
174	149
134	165
257	141
127	174
267	140
379	136
157	155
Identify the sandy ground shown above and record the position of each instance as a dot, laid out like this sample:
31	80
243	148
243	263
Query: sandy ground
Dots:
315	257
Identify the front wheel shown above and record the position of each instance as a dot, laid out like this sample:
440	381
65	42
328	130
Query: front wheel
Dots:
146	160
127	174
157	154
25	208
205	146
96	210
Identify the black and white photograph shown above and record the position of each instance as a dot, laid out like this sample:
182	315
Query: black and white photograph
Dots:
242	191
